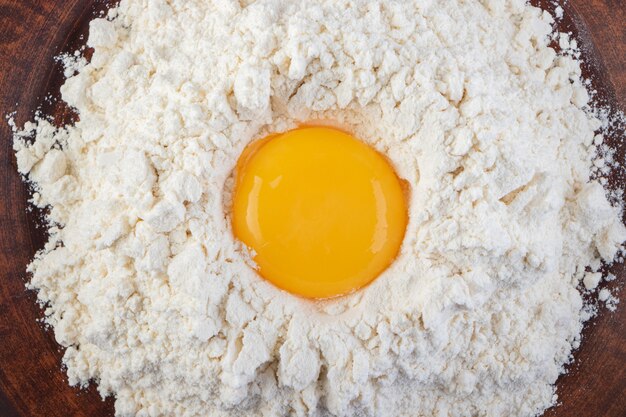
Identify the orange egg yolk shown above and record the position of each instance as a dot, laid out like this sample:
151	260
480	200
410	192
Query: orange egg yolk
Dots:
323	213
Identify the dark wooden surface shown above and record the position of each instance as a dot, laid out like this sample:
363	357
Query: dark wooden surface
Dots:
32	383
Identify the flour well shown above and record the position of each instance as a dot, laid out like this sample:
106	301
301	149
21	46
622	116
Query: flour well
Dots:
158	304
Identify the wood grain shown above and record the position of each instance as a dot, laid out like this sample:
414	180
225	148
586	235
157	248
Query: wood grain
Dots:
32	383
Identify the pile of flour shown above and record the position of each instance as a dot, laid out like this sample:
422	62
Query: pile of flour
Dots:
158	304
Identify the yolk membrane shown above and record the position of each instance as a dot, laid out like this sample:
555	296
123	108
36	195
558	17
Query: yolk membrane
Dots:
323	213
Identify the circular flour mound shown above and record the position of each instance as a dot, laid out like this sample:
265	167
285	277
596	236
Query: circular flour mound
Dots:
157	303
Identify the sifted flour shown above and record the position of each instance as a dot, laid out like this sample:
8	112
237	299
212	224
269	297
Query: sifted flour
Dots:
156	302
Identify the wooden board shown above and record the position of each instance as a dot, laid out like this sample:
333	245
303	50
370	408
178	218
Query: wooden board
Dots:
32	383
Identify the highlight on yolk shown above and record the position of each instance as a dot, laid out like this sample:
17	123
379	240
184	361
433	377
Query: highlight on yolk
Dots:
323	212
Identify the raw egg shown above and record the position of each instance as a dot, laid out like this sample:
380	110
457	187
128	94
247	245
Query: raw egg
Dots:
323	213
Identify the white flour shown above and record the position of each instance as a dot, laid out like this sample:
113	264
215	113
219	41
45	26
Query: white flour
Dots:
157	303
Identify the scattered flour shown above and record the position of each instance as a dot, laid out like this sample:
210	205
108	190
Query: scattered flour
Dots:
608	299
156	302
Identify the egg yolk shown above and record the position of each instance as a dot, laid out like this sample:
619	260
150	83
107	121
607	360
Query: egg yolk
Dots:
323	213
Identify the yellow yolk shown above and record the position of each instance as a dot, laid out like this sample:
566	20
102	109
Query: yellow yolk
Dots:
324	213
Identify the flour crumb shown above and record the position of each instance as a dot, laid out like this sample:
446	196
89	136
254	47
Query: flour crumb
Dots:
592	280
608	299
